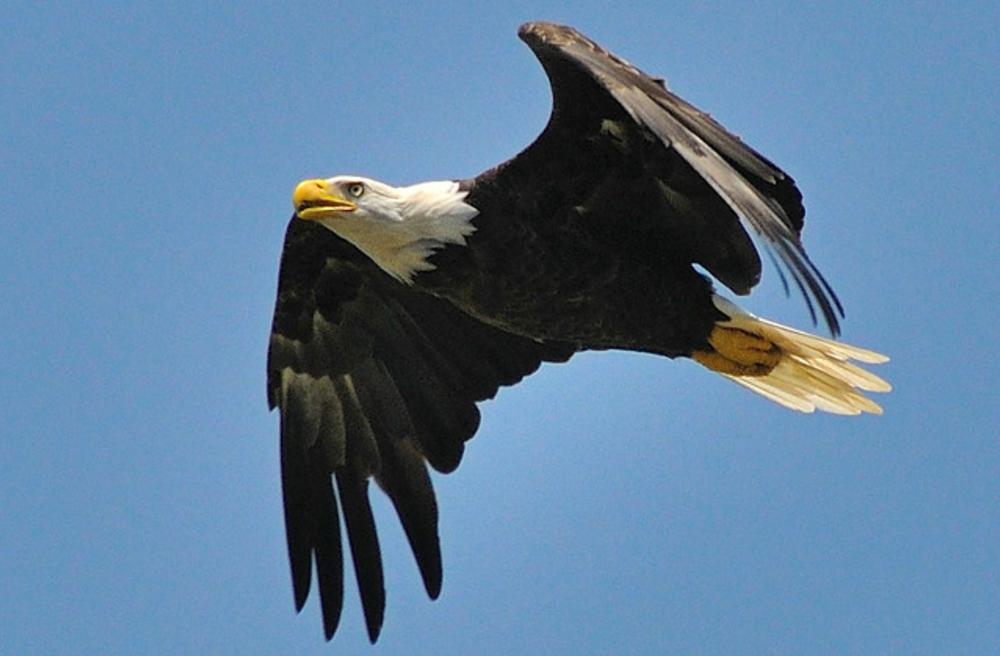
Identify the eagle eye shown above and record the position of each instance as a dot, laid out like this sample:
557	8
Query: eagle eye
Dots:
356	189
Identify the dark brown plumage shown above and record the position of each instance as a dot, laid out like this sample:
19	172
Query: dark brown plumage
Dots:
584	241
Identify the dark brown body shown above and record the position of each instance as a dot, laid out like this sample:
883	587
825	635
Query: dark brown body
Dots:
620	283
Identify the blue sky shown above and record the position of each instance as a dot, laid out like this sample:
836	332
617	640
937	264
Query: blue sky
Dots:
617	504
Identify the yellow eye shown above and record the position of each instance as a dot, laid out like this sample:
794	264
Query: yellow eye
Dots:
356	189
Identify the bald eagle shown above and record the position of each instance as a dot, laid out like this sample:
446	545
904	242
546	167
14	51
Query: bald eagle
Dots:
399	308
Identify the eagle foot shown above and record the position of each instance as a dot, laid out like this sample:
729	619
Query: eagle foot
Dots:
738	353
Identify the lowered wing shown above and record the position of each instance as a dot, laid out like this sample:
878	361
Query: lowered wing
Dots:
372	380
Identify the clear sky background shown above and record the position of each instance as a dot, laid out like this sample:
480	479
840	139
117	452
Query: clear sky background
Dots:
615	504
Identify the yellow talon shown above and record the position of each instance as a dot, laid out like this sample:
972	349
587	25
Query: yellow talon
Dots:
738	353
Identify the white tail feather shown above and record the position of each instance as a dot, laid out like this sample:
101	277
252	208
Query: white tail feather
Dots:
814	373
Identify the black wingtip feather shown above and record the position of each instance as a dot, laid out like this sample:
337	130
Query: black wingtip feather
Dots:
403	475
409	487
329	552
365	551
298	522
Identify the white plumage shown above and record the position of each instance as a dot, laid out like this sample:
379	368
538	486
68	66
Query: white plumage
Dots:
814	373
399	228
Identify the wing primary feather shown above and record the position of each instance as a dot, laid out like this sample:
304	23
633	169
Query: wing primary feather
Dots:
329	552
362	460
352	486
299	419
403	475
297	502
311	523
406	481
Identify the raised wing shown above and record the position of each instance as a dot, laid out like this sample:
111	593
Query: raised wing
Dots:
590	84
372	379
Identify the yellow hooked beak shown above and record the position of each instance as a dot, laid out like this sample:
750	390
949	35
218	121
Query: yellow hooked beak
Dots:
314	199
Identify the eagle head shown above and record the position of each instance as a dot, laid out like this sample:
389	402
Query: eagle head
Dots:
399	228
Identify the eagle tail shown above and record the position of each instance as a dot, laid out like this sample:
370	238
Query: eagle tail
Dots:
800	371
